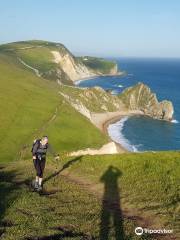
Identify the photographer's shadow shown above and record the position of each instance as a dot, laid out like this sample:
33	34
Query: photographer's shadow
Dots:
111	214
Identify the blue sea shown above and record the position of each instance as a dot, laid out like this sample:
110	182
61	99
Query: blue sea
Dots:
140	133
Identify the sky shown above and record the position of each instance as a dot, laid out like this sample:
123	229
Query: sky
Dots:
113	28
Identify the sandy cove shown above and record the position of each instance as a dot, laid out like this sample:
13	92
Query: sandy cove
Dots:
102	121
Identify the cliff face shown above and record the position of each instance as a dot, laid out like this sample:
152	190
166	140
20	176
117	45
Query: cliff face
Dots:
83	67
140	97
74	69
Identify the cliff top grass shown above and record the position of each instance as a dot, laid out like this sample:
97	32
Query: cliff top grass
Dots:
98	64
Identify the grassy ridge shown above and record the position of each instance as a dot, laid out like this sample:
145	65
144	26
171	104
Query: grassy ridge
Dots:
39	58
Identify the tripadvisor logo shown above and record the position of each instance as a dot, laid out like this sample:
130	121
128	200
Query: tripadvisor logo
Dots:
139	231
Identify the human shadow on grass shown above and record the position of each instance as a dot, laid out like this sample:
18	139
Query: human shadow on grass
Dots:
65	166
111	213
64	233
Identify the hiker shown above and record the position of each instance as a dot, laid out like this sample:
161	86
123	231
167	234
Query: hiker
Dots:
39	150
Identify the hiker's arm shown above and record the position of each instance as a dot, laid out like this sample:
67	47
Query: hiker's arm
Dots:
34	151
52	152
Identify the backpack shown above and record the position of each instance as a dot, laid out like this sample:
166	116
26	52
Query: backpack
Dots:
34	142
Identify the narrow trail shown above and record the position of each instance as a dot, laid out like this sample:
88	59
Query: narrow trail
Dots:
26	147
30	67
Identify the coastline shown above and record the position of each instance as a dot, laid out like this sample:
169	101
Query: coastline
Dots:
76	82
103	120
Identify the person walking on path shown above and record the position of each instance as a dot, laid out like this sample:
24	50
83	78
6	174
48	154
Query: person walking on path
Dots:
39	151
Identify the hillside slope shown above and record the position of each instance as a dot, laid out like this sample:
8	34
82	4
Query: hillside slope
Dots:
28	103
54	61
91	198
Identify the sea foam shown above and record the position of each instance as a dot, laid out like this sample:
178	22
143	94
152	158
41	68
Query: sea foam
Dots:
115	132
175	121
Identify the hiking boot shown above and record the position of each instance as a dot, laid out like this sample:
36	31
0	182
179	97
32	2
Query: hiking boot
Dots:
36	185
39	189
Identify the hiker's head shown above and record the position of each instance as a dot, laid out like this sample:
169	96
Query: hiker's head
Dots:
44	140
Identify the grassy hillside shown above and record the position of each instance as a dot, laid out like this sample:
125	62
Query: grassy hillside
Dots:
85	197
98	64
28	103
92	196
37	54
65	210
148	182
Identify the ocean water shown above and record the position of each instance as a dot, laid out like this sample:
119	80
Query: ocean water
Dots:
140	133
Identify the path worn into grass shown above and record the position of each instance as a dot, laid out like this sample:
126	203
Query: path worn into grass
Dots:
27	147
138	216
65	197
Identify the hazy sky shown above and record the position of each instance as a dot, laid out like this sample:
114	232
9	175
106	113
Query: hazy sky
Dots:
97	27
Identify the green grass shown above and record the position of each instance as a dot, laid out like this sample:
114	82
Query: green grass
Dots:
37	54
72	131
27	103
144	184
98	64
39	58
148	181
66	210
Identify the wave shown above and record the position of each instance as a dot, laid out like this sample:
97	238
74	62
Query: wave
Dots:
115	132
120	86
175	121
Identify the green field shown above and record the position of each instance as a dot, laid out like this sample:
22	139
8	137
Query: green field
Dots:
86	197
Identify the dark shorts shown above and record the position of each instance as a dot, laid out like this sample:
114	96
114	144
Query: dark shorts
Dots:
39	166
